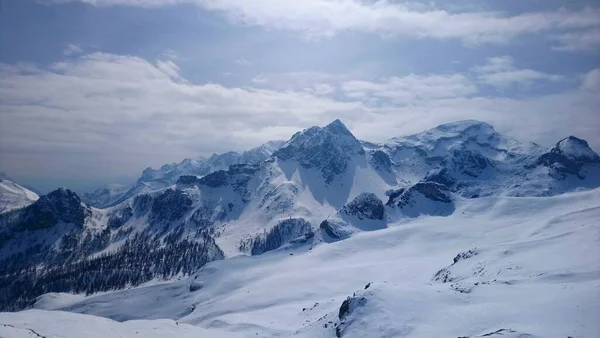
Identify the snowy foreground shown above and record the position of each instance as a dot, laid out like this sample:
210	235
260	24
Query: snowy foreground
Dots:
498	266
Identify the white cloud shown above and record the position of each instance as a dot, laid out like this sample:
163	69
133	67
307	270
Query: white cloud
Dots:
591	81
323	89
588	40
169	68
72	49
319	83
318	18
410	88
501	72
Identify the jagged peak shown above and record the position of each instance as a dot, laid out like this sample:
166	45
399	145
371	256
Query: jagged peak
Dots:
62	193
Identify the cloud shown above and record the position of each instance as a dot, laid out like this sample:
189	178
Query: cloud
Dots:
170	68
307	80
325	18
323	89
586	41
100	112
591	81
411	88
104	115
72	49
501	72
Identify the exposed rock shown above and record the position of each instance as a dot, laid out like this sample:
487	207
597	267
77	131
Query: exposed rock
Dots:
365	206
120	217
381	160
335	229
188	180
328	149
61	205
171	205
196	285
568	157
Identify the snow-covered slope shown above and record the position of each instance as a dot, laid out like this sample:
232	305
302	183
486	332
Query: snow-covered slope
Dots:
498	266
14	196
36	324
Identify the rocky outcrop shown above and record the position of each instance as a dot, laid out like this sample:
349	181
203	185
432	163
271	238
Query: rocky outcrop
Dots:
365	206
423	198
171	205
569	156
61	205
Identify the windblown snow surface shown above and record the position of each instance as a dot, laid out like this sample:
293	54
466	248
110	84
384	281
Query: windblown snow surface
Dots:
498	266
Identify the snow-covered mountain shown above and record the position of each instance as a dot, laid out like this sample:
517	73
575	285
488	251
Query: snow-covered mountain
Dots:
473	160
497	267
321	186
168	174
14	196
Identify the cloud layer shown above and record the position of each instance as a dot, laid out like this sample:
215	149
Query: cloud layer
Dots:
325	18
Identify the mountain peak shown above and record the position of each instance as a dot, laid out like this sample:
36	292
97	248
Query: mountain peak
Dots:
329	148
63	194
569	155
337	127
576	149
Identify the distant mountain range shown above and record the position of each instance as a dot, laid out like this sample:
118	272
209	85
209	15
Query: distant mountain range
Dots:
322	185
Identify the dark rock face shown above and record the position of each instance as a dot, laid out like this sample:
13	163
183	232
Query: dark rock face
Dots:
120	217
431	190
171	205
348	306
142	204
61	205
460	162
468	162
568	157
196	285
365	206
237	177
381	160
435	192
441	176
329	149
393	195
188	179
329	229
215	180
344	309
282	233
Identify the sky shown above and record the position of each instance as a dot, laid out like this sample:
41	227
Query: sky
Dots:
94	91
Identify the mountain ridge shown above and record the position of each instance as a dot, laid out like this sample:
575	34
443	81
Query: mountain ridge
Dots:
320	186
